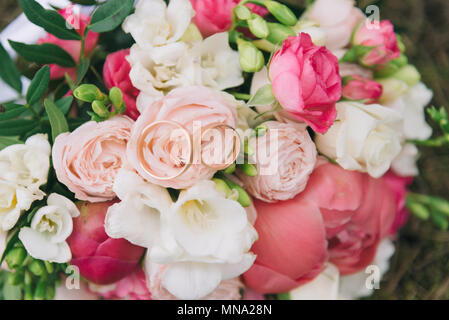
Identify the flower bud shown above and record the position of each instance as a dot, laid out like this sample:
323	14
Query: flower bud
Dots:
89	93
28	292
418	210
249	169
15	278
28	278
261	130
242	12
15	257
220	185
116	97
49	267
243	197
41	290
100	109
265	45
258	26
192	34
230	169
440	220
392	89
37	268
409	74
278	33
281	12
251	58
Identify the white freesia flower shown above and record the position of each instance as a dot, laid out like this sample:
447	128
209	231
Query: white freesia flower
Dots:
324	287
411	106
203	238
154	24
23	169
50	228
365	138
405	163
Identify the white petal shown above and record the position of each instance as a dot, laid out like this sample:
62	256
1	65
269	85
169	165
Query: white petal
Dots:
179	15
40	142
230	271
324	287
55	199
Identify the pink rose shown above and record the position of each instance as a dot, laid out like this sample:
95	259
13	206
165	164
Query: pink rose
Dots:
359	88
184	106
357	210
398	186
214	16
306	81
381	43
227	290
285	173
101	259
132	287
73	47
88	159
291	248
116	74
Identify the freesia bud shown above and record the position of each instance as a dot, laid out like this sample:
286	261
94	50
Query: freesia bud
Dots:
230	169
220	185
249	169
89	93
15	257
49	267
242	12
409	74
15	278
116	97
278	33
100	109
281	12
419	210
392	89
243	197
251	58
37	268
258	26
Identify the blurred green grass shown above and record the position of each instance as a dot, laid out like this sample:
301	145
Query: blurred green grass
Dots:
420	267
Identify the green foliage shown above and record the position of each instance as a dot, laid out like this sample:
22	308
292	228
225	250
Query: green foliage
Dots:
110	15
8	71
45	53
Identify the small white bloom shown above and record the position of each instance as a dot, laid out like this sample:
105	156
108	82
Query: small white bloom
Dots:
324	287
405	163
50	228
365	138
154	25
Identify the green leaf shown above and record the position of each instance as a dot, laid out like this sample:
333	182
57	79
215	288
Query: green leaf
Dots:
263	97
110	15
12	111
8	71
64	104
16	127
8	141
50	20
57	119
45	53
85	2
83	67
38	85
9	245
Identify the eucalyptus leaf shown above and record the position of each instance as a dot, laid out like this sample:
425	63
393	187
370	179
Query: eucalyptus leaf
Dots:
57	119
38	85
110	15
264	96
45	53
8	71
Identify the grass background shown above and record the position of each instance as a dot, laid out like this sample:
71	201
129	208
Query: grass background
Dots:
420	267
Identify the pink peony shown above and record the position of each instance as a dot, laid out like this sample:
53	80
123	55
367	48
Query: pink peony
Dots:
398	186
100	259
88	159
73	47
132	287
283	174
291	248
381	43
184	106
116	74
359	88
214	16
358	212
306	81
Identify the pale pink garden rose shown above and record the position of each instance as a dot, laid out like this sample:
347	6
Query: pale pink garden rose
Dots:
363	89
183	106
227	290
73	47
306	81
87	160
337	18
382	42
285	173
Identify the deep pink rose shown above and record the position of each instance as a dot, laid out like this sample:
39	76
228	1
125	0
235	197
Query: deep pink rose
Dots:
101	259
359	88
306	81
132	287
291	248
73	47
116	74
358	212
382	40
213	16
399	186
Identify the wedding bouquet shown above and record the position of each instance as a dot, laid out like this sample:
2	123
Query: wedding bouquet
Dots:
206	149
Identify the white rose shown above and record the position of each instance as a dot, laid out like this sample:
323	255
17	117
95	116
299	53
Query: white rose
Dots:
203	238
23	170
155	25
365	138
50	228
411	106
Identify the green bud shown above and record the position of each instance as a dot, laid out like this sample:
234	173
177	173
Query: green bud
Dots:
251	58
281	12
409	74
249	169
265	45
278	33
418	210
15	257
440	205
242	12
49	267
37	268
28	292
15	278
258	26
28	278
89	93
41	290
116	97
221	185
261	130
230	169
392	89
440	220
243	197
100	109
